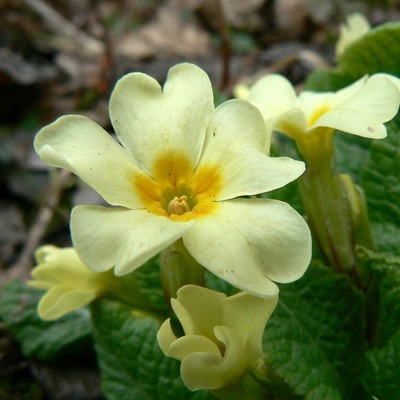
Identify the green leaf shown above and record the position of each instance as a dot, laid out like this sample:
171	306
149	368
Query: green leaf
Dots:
322	80
386	270
381	177
386	237
148	281
377	51
382	374
352	152
381	183
315	338
43	340
131	362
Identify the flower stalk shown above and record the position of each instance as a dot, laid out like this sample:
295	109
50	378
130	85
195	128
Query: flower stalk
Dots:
178	268
326	202
244	387
336	210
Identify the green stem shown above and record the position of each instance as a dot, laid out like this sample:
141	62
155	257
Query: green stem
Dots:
179	268
329	217
243	388
326	203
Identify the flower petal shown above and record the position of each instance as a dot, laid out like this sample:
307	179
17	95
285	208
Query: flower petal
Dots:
336	98
354	28
379	99
276	98
189	344
273	95
249	242
352	122
150	123
205	370
81	146
233	123
248	315
60	300
292	123
364	112
57	265
108	237
234	129
165	336
189	307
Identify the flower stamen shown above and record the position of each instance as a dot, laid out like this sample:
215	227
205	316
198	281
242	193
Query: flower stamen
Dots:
178	206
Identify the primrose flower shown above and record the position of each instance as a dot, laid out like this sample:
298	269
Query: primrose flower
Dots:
355	27
359	109
69	283
222	335
181	172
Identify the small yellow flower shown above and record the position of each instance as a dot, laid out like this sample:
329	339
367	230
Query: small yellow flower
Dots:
222	335
69	283
355	27
181	172
359	109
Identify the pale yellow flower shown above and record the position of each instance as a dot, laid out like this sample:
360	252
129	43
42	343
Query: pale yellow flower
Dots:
241	91
356	26
181	172
359	109
69	283
222	335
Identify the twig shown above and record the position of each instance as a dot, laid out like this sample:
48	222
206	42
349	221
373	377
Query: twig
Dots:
58	24
22	267
225	45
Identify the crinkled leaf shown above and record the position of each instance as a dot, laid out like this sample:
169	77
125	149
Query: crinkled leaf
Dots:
382	374
386	270
381	179
42	340
377	51
131	362
381	183
351	154
148	281
322	80
315	338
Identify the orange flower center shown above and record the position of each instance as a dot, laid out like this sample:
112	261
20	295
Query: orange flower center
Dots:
178	190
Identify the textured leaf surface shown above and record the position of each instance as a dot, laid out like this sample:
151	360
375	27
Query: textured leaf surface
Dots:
381	182
43	340
132	364
377	51
382	375
148	282
386	270
315	338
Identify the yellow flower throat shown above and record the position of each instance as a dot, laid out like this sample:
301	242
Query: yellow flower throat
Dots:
177	190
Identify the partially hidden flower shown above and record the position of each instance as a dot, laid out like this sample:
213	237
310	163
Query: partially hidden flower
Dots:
181	172
359	109
356	26
222	335
69	283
